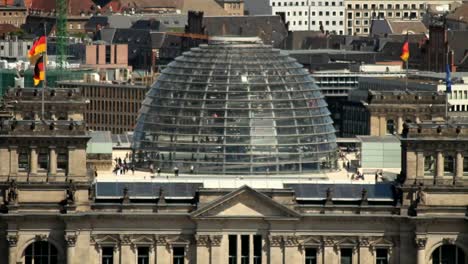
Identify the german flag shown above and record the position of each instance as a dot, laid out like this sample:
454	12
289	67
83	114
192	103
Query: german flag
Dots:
39	47
405	50
39	71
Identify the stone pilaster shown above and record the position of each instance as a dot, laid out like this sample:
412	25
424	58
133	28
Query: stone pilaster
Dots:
276	252
12	241
70	239
399	124
163	255
291	249
421	247
420	165
365	255
13	160
125	250
203	249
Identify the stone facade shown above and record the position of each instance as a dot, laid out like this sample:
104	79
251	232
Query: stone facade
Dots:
379	113
229	225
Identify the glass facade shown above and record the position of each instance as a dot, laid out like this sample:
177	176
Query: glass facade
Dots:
235	107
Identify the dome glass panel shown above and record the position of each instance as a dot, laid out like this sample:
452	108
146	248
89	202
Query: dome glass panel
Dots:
235	107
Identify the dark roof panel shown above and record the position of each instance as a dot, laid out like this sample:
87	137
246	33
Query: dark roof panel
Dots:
146	190
376	192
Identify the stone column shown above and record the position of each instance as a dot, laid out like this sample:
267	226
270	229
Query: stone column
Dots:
71	241
13	160
12	240
265	248
439	168
421	246
276	254
53	161
459	168
5	157
33	161
125	250
365	255
399	125
374	125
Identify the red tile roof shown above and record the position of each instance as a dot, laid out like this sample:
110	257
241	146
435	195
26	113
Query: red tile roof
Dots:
75	7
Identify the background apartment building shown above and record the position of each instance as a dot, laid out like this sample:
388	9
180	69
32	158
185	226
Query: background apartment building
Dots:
326	16
359	13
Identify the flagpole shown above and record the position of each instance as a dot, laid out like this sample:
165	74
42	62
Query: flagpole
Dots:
406	80
44	82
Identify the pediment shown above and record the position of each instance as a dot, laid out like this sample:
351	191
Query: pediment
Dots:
244	202
105	239
382	242
144	239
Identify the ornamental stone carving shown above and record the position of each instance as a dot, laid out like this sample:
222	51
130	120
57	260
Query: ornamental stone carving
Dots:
125	239
290	241
161	240
202	240
421	242
328	241
449	241
275	241
12	240
40	238
71	240
216	240
364	242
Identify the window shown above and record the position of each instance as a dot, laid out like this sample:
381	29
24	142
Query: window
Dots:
449	165
23	159
178	255
41	252
143	255
310	256
429	165
43	159
448	254
346	256
381	256
465	166
257	247
232	249
366	6
245	249
108	255
62	159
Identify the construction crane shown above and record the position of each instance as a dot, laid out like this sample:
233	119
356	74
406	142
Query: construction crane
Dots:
61	32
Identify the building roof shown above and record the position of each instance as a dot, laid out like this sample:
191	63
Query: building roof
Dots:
384	27
147	190
75	7
460	14
100	143
8	28
343	192
271	29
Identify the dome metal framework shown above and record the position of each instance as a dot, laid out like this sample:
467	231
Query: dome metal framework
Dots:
235	106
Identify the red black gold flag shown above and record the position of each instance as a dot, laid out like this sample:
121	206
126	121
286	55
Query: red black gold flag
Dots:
39	47
39	71
405	50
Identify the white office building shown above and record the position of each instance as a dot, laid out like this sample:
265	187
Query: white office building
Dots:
325	15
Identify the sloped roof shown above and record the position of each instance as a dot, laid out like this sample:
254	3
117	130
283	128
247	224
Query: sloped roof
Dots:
75	7
270	29
7	28
407	26
460	14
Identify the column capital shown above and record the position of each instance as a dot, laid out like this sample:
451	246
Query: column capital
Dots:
275	241
125	240
215	240
421	242
202	240
70	239
290	241
160	240
364	242
12	240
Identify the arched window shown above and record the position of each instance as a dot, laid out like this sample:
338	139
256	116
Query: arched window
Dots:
448	254
41	252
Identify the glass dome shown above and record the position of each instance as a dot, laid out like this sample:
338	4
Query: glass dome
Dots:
235	106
